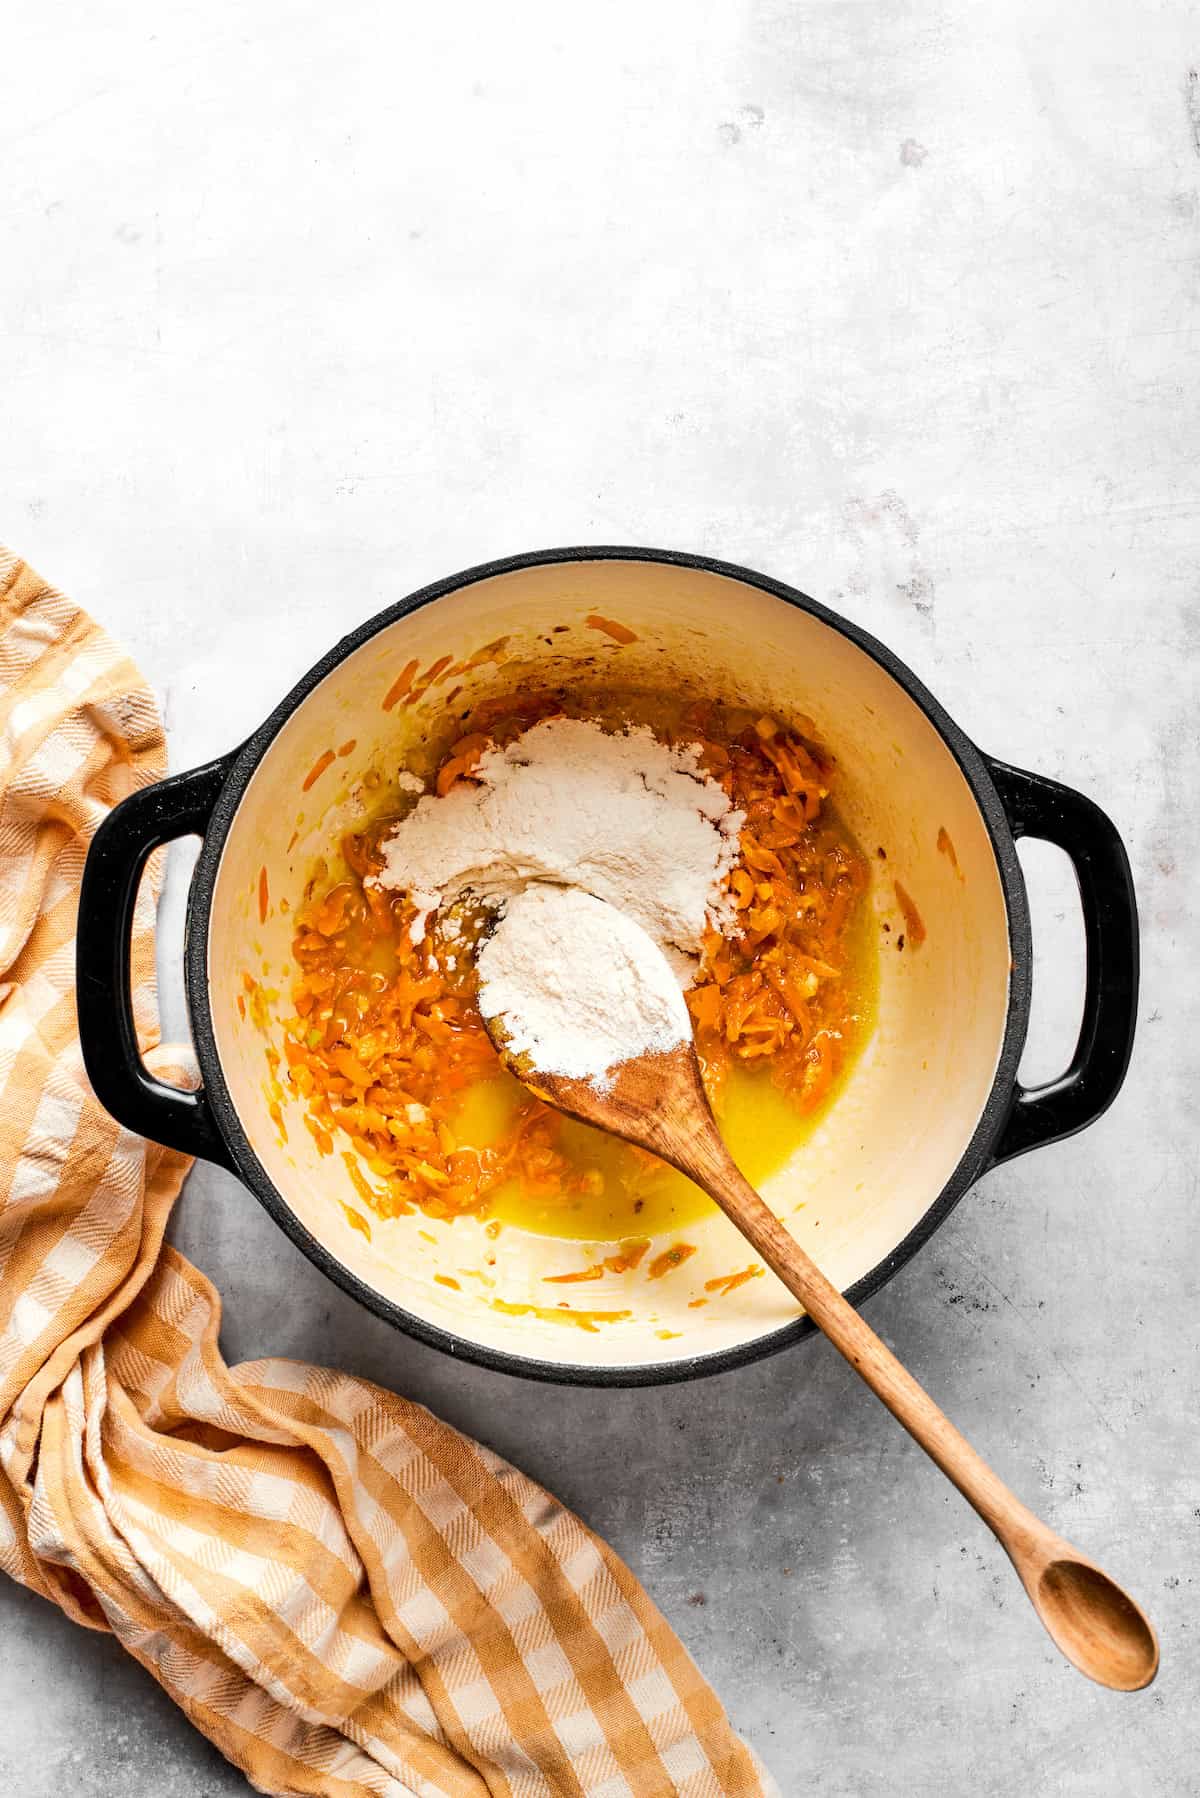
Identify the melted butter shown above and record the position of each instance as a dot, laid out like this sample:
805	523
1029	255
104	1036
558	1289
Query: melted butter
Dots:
634	1195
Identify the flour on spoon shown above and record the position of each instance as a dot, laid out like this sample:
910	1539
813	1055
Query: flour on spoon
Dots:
578	987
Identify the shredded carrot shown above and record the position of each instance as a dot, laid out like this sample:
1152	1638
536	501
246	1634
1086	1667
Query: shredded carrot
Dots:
914	925
620	633
945	845
323	761
356	1178
726	1283
264	896
630	1256
400	685
670	1259
348	748
321	1137
447	1280
356	1220
583	1273
460	762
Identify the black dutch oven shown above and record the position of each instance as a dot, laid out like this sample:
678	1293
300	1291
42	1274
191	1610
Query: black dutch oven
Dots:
931	1105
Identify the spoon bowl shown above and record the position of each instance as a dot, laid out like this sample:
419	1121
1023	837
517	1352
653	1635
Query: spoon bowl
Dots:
1095	1623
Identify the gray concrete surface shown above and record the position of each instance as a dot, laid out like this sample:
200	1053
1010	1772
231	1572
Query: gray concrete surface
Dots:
304	306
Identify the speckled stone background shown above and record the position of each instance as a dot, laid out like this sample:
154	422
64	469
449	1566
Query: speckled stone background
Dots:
305	305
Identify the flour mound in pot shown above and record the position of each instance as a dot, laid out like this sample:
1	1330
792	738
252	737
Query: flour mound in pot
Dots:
616	814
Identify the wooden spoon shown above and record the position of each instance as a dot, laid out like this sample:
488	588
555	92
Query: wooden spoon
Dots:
658	1101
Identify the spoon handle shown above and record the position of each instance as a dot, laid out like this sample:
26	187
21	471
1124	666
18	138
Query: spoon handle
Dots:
658	1101
1011	1521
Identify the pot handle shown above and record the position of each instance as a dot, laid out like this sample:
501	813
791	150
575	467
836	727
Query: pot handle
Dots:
179	806
1040	807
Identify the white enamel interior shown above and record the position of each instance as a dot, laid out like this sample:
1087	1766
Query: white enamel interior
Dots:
891	1140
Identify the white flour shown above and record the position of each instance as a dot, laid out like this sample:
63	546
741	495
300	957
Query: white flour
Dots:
621	816
578	986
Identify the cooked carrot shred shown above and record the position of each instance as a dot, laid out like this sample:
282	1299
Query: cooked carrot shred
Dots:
357	1221
323	761
726	1283
620	633
400	685
670	1259
631	1254
461	761
914	925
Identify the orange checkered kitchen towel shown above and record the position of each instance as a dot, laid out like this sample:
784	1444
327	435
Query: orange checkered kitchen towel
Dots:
344	1594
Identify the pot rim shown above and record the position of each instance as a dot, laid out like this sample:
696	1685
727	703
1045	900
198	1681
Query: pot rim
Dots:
973	1162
